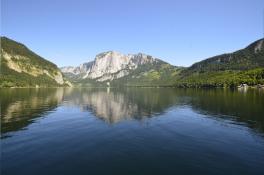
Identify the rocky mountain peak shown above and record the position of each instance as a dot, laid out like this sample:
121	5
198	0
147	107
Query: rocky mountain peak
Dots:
110	65
108	54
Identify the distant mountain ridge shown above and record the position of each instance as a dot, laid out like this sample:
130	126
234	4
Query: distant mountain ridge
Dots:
111	65
20	67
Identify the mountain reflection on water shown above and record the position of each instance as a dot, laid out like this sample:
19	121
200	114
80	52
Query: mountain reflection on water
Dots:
114	105
21	107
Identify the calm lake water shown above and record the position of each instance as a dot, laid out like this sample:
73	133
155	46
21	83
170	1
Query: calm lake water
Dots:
137	131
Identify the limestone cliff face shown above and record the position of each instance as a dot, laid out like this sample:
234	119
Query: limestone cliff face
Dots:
82	69
110	65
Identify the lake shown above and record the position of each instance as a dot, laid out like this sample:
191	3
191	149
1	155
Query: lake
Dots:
137	131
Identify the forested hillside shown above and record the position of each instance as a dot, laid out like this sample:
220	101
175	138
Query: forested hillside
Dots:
243	66
20	67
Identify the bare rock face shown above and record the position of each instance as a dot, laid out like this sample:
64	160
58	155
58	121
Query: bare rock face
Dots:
110	65
83	68
107	63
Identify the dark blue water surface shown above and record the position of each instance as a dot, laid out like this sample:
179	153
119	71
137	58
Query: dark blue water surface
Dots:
137	131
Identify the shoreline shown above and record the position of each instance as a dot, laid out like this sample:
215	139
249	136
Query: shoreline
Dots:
142	86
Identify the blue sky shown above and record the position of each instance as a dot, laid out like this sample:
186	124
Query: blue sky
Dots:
181	32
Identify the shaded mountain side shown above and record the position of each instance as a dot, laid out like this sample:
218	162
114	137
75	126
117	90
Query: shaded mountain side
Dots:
245	59
243	66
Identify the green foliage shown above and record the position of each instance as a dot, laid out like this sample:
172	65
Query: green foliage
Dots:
11	78
157	74
227	70
245	59
223	78
27	60
15	48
